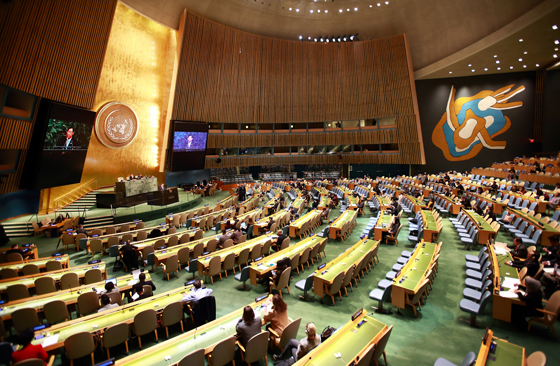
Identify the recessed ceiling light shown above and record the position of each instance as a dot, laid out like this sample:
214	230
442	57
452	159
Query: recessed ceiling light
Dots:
347	9
511	67
470	65
451	72
525	52
311	11
555	27
355	9
290	9
497	61
495	56
326	11
297	10
386	3
556	49
555	56
537	65
319	10
378	4
472	70
499	68
520	39
340	10
556	42
524	66
371	6
520	59
485	69
300	37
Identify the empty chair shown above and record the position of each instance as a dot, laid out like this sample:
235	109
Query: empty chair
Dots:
550	313
110	230
30	269
53	266
305	285
172	241
17	292
380	346
68	240
417	298
468	360
24	319
79	345
45	285
15	257
228	243
96	246
347	280
197	250
474	308
229	263
69	280
214	268
335	287
145	322
172	314
7	273
381	295
171	265
476	259
256	348
185	238
476	295
92	276
243	276
256	252
56	311
478	266
536	358
127	237
223	353
211	245
115	335
142	235
195	358
183	256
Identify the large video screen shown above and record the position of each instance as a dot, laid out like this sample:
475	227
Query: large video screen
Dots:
188	146
59	146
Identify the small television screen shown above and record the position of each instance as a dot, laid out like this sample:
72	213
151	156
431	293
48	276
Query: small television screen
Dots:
58	147
188	146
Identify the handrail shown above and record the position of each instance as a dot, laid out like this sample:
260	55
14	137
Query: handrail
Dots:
73	195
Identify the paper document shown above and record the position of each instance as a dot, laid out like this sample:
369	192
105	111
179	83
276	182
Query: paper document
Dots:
132	282
500	251
510	282
136	273
135	296
508	294
49	341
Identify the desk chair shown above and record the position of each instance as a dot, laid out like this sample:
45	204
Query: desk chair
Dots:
256	349
468	360
550	313
243	276
305	285
115	335
56	311
79	345
474	308
195	358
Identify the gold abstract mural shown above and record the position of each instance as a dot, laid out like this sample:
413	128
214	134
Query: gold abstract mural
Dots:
137	70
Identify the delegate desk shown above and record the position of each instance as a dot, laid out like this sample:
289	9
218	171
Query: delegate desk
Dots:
40	262
163	198
426	191
352	202
485	231
259	269
192	212
140	245
161	255
505	354
384	202
255	214
541	205
497	204
298	203
547	230
296	225
204	261
227	202
105	238
418	204
51	228
31	247
131	226
432	228
412	275
352	341
323	203
455	204
229	212
382	225
277	217
505	277
350	258
348	216
546	179
55	336
69	297
204	337
29	281
250	203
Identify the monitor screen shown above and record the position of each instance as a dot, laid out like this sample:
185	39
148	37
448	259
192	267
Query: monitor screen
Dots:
188	146
114	280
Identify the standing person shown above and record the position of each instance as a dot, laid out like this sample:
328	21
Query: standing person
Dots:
299	349
129	256
248	326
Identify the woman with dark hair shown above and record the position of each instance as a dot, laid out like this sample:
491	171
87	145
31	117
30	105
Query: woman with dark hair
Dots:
28	350
277	314
249	325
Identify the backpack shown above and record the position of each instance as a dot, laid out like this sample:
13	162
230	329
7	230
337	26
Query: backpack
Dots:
327	332
118	266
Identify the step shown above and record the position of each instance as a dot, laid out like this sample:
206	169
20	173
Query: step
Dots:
16	224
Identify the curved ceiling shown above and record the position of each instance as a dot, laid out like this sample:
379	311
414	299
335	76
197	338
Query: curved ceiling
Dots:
436	29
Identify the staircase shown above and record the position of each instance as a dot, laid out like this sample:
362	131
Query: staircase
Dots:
18	229
78	206
90	222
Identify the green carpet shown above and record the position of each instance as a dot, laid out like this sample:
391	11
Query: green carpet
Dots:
440	330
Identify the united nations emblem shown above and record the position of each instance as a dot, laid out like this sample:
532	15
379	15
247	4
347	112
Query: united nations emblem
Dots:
116	125
471	123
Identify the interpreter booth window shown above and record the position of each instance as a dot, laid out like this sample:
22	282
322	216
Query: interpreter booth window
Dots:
247	151
298	127
281	128
389	148
231	127
333	126
366	124
334	149
230	151
215	128
370	149
351	125
264	151
14	103
265	127
281	150
248	128
388	122
211	152
316	126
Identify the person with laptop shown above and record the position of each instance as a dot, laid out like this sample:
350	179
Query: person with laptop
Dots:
110	286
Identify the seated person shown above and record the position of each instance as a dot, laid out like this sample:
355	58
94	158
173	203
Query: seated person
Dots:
230	224
236	235
197	292
325	214
244	226
393	228
223	238
268	225
489	210
532	299
24	254
142	282
140	292
296	349
532	263
28	350
81	230
552	255
518	250
248	326
276	313
278	242
110	287
106	303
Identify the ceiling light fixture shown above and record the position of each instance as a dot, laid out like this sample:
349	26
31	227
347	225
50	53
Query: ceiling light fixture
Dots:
497	61
485	69
348	9
300	37
556	42
554	27
386	3
319	10
537	65
499	68
472	70
451	72
520	39
297	10
378	4
340	10
511	67
525	52
555	56
311	11
524	66
470	65
355	9
326	11
371	6
290	9
520	59
495	56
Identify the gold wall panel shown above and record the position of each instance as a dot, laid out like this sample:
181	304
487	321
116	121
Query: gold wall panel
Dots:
136	71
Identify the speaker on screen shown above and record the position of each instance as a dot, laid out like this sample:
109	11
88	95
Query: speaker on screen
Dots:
59	146
188	145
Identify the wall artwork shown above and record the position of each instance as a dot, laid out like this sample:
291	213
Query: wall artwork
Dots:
470	124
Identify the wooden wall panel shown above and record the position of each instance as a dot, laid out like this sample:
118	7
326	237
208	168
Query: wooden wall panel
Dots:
230	76
55	49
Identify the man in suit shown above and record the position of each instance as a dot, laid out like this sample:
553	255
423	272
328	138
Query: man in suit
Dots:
142	282
141	294
551	257
223	238
162	187
281	237
532	263
236	235
519	250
